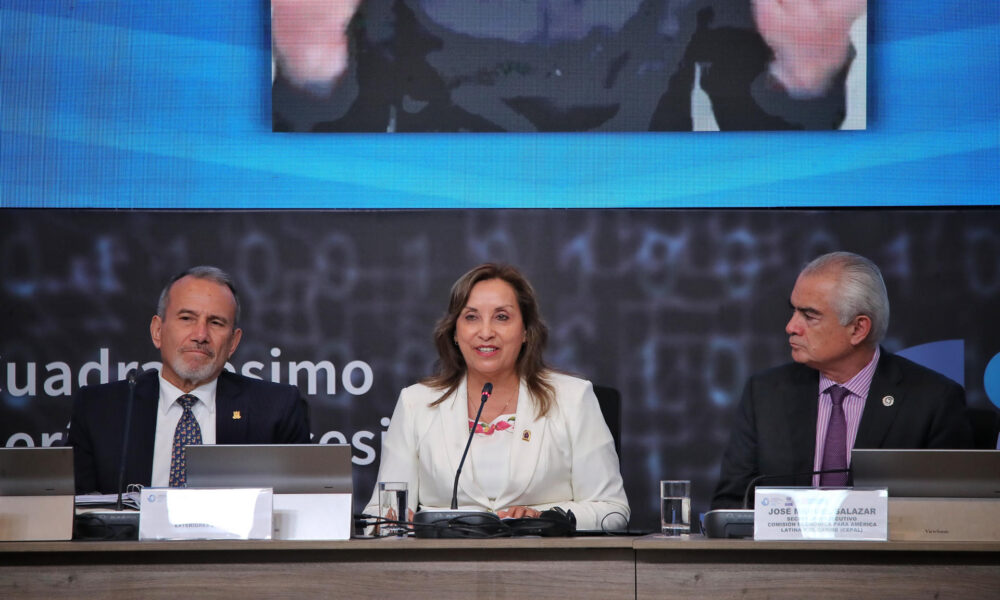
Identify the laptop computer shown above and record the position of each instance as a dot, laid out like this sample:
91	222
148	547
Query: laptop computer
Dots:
36	472
311	482
288	468
929	473
36	494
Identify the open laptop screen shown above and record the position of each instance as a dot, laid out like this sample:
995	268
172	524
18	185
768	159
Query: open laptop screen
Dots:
929	473
36	472
288	468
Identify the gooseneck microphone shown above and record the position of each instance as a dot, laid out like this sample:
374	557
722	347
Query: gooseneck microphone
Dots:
132	377
454	523
753	482
738	522
487	390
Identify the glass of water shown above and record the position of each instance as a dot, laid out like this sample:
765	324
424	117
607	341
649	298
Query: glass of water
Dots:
392	500
675	507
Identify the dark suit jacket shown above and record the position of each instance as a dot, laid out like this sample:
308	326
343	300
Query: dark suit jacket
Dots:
775	428
269	413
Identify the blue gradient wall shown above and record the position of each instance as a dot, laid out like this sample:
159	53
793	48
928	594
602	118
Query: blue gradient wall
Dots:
147	104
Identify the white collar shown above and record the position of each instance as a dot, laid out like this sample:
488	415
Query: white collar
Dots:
169	394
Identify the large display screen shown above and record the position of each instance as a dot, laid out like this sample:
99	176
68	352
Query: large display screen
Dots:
168	105
567	65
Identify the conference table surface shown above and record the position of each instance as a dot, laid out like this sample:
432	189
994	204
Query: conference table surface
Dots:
583	567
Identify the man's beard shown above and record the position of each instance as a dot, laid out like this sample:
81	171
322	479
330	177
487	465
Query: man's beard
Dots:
192	374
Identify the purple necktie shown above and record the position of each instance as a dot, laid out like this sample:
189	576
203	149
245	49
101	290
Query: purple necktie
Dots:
188	432
835	448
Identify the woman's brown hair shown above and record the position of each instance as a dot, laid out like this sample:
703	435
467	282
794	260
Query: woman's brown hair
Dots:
450	366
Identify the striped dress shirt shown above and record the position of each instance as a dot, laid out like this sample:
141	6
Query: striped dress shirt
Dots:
854	405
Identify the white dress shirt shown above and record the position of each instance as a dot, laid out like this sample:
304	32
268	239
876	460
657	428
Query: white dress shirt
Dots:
168	414
854	406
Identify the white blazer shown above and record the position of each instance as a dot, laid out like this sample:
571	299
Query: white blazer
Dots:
566	458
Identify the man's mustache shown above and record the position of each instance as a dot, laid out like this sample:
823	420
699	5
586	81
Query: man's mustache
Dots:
197	348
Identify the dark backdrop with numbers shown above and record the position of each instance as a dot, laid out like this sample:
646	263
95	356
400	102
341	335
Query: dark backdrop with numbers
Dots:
672	307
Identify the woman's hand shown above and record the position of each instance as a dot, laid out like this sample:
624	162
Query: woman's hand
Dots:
390	515
518	512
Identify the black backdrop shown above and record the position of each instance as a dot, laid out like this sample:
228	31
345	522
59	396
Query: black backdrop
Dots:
673	307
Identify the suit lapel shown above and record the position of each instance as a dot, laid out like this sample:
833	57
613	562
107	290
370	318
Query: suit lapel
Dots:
803	408
526	447
877	417
230	413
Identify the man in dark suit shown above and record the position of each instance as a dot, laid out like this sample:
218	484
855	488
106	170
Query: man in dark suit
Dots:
191	400
843	391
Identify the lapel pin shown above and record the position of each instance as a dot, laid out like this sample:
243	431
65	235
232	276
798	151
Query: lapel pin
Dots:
236	415
526	436
887	400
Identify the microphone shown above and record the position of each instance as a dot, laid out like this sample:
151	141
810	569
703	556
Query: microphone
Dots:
132	377
455	523
487	390
738	522
117	524
753	482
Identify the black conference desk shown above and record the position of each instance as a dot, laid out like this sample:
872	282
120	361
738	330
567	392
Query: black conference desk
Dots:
522	568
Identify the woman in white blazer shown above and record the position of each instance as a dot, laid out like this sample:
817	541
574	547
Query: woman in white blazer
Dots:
541	440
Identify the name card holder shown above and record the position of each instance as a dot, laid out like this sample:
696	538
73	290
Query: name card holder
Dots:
821	514
205	514
313	516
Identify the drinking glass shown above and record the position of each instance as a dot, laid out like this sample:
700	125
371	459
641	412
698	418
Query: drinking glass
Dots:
675	507
392	499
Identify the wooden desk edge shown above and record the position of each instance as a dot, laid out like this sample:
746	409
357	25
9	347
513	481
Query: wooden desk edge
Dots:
694	543
700	543
367	544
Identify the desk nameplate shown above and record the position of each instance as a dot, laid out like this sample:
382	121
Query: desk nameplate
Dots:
821	514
